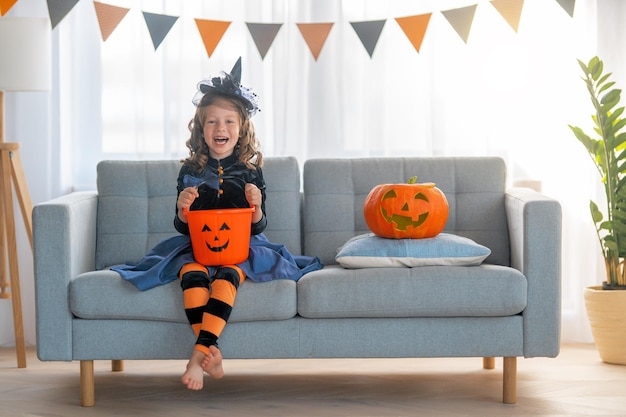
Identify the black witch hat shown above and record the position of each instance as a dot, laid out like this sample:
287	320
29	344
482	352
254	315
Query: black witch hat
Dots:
229	84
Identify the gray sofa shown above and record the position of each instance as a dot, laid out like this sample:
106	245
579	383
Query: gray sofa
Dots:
509	306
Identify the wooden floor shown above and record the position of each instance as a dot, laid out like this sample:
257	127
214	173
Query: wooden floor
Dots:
576	383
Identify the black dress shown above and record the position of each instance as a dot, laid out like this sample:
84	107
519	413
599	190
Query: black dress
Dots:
221	185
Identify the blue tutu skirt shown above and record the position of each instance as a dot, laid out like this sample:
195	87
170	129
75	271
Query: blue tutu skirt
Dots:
267	261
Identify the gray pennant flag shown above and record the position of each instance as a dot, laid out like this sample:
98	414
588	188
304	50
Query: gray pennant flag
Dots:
461	20
159	26
369	33
568	6
263	35
58	9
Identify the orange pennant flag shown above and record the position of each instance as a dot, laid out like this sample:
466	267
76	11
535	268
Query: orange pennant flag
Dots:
511	11
108	17
315	35
5	5
414	28
211	32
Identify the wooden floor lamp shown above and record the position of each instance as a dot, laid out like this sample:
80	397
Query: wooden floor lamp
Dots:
25	58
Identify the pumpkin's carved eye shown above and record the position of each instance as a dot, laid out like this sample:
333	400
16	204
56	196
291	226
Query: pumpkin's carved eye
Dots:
389	194
206	228
224	227
421	196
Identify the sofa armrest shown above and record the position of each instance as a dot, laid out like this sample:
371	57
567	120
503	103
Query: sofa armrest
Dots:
534	222
64	245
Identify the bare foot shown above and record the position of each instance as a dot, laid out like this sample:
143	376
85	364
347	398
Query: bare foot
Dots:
212	363
193	377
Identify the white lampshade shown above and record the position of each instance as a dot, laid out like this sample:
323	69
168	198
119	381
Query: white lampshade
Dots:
25	54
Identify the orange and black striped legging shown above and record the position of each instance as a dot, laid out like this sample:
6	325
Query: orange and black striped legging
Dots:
209	300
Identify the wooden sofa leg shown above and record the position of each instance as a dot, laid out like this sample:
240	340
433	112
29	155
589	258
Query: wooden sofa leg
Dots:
489	362
87	389
117	365
509	380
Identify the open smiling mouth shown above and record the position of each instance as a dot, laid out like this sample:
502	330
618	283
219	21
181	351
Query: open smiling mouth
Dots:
220	140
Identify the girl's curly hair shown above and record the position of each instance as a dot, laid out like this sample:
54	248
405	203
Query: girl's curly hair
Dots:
248	147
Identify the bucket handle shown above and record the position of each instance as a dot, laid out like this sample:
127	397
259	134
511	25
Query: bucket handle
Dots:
185	211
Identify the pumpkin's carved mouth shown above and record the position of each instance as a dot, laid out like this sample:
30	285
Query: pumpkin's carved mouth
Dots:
217	248
403	222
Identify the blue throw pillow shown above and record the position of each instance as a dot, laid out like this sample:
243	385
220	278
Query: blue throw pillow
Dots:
371	251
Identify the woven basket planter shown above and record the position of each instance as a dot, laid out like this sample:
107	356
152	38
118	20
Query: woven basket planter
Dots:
606	310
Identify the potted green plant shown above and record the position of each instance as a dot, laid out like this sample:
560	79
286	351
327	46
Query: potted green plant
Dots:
606	305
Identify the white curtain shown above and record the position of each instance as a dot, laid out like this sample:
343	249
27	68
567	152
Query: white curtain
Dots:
505	93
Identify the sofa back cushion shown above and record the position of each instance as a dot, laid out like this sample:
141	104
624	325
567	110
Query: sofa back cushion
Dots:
137	203
335	190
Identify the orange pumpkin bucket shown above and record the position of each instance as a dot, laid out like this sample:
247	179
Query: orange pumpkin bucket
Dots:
220	236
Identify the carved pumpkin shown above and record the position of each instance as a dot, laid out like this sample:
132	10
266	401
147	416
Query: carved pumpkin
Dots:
220	237
400	211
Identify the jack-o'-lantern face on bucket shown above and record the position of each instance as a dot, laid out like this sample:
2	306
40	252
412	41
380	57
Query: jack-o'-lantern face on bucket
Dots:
216	240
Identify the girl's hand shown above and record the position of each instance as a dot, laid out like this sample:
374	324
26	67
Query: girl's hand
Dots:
253	195
254	198
185	199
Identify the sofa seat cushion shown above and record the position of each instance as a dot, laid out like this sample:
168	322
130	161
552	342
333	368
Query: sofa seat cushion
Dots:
429	291
105	295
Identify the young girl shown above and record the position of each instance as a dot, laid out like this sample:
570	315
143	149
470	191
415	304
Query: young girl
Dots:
223	170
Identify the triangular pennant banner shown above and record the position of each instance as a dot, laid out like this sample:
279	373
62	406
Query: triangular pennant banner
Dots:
211	32
369	33
58	9
315	35
263	35
461	20
511	11
414	28
568	6
159	26
108	17
5	5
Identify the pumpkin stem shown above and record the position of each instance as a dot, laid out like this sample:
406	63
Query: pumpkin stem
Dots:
412	180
